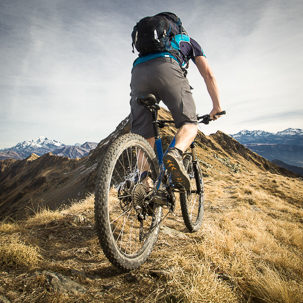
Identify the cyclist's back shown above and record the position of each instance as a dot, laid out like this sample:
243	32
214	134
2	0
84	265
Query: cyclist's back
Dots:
162	74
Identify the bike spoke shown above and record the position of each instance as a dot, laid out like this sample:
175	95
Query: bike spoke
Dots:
124	219
126	227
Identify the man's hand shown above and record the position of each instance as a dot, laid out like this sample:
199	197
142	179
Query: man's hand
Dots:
214	114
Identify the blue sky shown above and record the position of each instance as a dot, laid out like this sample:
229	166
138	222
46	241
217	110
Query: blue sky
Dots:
66	64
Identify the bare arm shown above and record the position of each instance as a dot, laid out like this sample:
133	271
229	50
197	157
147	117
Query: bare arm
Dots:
211	84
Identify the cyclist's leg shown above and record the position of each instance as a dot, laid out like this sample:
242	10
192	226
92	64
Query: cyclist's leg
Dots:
151	141
141	118
144	167
185	136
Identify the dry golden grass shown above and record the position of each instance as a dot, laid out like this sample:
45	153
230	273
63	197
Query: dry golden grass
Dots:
83	206
43	217
15	253
193	283
249	248
270	286
9	227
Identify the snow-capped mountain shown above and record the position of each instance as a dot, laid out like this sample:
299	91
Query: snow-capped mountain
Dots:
40	142
286	145
290	136
39	146
75	151
43	145
253	133
291	132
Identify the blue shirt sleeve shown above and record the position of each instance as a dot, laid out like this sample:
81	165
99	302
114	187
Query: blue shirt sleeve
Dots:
197	49
191	49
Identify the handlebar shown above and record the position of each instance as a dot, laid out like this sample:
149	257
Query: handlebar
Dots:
206	118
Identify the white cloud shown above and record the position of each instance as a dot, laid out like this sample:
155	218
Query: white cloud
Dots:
66	65
259	70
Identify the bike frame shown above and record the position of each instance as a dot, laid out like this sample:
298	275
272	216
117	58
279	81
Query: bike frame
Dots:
159	146
159	149
160	158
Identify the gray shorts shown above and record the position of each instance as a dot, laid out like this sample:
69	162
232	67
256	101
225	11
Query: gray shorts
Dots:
163	78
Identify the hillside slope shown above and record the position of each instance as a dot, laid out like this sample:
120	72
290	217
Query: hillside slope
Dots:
51	181
249	249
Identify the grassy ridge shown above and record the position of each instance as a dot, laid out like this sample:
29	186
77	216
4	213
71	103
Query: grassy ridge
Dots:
250	249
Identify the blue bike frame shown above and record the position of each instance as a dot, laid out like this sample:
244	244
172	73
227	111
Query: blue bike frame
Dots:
160	158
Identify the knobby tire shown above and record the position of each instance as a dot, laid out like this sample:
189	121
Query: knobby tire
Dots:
192	202
126	227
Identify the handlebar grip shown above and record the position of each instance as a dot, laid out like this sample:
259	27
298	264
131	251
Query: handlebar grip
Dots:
206	118
222	113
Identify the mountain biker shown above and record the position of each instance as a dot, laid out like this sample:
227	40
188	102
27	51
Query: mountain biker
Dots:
162	75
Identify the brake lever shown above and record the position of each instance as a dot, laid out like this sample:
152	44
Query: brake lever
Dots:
206	118
220	114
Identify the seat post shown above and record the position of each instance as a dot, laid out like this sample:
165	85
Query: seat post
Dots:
154	113
149	101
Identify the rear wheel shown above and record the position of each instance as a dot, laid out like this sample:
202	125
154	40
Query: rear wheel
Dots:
126	223
192	202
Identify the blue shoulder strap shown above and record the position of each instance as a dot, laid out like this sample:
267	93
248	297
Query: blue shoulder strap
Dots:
175	43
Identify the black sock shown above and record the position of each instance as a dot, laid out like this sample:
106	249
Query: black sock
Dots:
180	151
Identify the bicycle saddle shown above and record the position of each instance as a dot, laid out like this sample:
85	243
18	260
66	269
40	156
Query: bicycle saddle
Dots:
149	101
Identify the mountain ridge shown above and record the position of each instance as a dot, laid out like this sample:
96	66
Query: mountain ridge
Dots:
291	136
51	181
286	145
42	145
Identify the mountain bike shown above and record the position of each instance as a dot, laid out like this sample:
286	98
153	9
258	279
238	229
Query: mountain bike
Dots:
134	188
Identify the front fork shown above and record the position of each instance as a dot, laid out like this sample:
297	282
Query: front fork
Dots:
195	167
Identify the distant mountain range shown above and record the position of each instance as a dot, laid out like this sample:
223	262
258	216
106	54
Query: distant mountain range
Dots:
43	145
50	181
290	136
286	146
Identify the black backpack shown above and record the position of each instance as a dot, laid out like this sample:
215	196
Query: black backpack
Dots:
154	34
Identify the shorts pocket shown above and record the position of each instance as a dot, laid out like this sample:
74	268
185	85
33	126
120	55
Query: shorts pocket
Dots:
188	104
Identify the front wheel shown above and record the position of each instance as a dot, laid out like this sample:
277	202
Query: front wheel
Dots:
192	202
126	222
